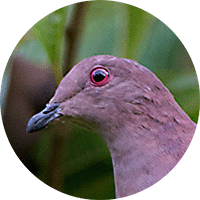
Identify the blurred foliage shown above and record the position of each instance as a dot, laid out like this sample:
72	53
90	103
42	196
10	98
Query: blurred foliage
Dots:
120	30
124	31
49	32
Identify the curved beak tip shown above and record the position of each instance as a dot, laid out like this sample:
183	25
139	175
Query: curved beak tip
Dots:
42	119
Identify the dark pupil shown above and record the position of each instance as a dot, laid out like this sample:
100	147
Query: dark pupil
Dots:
99	75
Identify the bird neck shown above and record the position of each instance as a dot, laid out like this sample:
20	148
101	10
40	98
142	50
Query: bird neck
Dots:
141	158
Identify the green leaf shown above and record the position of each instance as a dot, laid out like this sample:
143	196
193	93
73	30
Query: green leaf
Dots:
50	32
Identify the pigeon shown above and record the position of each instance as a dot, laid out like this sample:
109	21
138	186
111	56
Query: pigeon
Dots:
144	128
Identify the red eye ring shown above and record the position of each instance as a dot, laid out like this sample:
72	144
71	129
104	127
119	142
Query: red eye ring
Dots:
99	76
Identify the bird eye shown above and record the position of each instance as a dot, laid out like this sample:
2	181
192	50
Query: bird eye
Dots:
99	76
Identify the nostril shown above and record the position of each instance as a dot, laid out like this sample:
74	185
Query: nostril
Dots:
50	107
47	111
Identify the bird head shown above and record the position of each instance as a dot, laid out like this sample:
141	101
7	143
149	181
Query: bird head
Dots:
102	92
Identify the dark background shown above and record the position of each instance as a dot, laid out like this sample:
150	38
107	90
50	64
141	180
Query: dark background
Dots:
78	163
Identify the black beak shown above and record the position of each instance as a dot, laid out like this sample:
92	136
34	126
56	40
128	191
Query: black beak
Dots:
40	120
